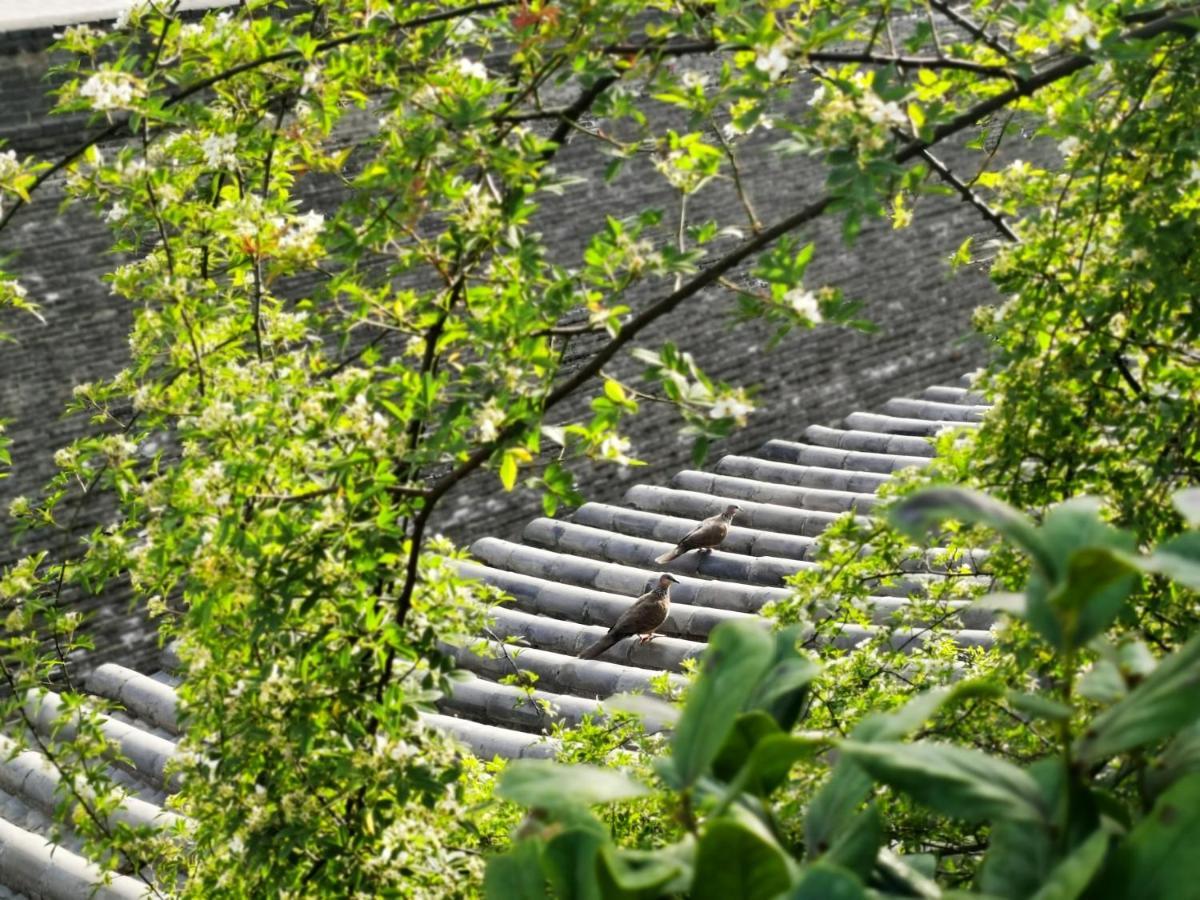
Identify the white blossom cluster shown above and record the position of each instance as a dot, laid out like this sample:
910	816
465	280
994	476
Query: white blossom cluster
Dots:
109	89
302	234
9	164
804	303
488	420
218	151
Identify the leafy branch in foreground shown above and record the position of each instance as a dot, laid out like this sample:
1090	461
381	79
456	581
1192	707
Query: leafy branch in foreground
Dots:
1104	812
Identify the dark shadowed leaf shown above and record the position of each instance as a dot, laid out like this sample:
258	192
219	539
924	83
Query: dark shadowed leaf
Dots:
749	728
956	781
1070	878
918	514
1180	757
542	784
738	655
773	757
734	862
1158	860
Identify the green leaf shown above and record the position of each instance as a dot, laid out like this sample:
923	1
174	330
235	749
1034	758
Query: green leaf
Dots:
823	881
1167	700
917	514
1177	559
640	871
1158	859
1039	707
614	392
569	862
749	728
738	654
734	862
859	841
956	781
1088	580
1071	876
773	757
517	874
508	471
548	785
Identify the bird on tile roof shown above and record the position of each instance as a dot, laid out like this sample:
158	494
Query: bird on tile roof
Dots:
705	536
646	614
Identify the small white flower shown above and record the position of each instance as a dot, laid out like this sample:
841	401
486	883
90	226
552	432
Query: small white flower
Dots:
18	507
472	69
488	421
804	303
616	448
817	96
117	213
1068	146
1078	27
692	79
771	61
882	113
129	12
731	407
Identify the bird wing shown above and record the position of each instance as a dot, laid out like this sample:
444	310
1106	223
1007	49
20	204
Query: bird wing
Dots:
708	533
630	621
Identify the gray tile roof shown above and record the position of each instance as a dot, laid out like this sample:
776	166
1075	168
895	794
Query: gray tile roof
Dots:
569	580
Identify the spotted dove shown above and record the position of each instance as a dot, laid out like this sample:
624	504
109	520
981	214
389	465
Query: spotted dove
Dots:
704	536
648	612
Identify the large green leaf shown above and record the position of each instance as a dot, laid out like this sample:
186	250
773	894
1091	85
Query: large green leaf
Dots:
823	881
957	781
917	514
773	757
569	862
783	691
1159	858
749	728
517	874
548	785
857	844
1166	701
1089	580
834	807
738	655
1071	877
735	862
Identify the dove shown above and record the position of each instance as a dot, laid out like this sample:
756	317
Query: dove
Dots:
704	536
648	612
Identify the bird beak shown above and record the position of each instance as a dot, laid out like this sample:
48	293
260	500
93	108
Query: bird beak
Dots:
672	579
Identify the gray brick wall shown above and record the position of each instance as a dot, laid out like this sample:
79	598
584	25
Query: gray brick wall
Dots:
810	377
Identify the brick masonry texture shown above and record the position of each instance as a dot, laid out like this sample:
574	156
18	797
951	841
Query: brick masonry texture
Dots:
921	310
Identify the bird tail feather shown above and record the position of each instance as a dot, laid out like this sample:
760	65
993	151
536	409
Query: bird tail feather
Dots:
668	556
599	647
